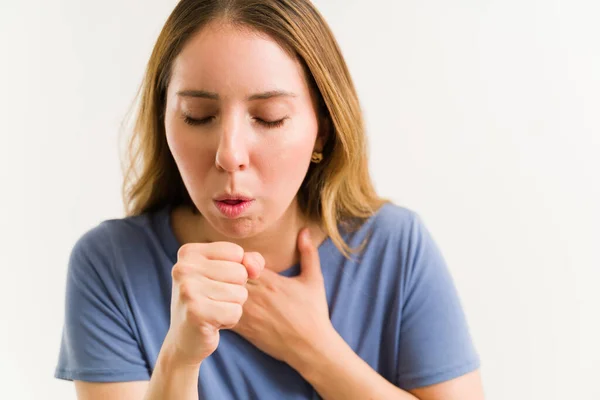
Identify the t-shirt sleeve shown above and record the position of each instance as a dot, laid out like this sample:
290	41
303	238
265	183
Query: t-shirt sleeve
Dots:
435	343
98	343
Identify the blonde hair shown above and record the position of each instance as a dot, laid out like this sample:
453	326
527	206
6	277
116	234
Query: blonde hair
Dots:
337	190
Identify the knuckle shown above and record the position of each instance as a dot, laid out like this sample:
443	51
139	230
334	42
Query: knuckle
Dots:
183	251
271	286
185	292
235	250
179	270
187	250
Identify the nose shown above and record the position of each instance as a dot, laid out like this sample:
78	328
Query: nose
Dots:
232	152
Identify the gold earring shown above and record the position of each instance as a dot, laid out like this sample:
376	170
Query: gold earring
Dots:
316	157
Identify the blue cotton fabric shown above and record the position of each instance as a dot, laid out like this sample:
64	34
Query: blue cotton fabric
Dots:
395	304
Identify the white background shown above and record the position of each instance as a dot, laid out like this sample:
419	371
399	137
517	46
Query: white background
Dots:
483	116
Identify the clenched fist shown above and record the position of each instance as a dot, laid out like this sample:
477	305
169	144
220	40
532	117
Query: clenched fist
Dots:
209	289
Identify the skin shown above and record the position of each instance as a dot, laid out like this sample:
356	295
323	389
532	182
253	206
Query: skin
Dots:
234	150
286	318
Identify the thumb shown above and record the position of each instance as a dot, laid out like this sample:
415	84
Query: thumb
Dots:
254	263
310	264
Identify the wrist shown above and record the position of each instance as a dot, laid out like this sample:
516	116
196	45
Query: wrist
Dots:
316	354
171	356
172	379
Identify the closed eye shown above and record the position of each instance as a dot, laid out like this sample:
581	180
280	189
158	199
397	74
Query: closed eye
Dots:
271	124
268	124
191	121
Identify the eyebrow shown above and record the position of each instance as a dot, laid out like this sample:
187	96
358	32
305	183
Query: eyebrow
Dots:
257	96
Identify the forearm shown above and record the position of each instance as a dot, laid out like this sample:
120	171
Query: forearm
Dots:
337	372
171	380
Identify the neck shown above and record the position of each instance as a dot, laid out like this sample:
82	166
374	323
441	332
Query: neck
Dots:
278	244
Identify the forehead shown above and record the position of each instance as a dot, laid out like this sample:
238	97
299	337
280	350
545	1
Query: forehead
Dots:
228	59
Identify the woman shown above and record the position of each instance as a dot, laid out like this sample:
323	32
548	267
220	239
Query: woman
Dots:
257	261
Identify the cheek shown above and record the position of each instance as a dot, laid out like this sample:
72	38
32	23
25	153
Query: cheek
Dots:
286	161
189	155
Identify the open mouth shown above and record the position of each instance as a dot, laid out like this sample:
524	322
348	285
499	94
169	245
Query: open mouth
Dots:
233	208
232	202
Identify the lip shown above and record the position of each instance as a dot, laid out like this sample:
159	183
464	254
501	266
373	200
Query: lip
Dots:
233	210
233	196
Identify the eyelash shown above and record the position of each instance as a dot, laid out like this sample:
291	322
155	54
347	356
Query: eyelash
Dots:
204	121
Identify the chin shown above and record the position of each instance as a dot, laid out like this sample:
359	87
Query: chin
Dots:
238	232
239	228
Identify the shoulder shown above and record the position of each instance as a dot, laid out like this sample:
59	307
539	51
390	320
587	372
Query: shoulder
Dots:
113	231
108	245
387	236
406	230
394	223
397	240
393	216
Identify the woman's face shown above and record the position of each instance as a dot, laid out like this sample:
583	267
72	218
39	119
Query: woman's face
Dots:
240	118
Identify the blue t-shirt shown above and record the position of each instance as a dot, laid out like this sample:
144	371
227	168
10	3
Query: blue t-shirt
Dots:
395	304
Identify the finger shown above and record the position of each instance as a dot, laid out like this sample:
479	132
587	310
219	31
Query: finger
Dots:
254	263
223	292
225	251
310	264
222	271
225	271
222	315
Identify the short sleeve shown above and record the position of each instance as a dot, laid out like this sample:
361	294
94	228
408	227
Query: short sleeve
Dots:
98	343
435	344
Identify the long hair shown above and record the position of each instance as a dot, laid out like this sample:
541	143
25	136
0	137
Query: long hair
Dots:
337	190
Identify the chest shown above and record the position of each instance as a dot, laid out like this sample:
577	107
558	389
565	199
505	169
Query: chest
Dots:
238	370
